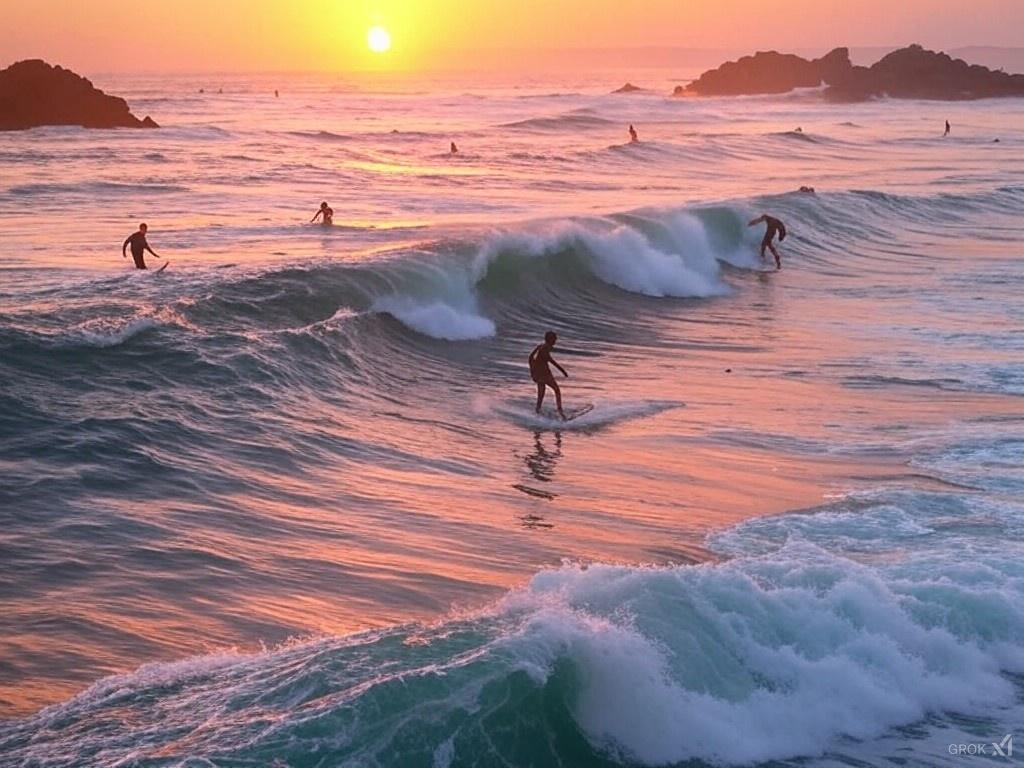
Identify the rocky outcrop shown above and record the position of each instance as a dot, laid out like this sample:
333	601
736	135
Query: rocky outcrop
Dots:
909	73
628	88
769	72
33	94
916	73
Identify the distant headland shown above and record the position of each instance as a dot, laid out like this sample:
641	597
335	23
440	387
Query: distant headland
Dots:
34	93
908	73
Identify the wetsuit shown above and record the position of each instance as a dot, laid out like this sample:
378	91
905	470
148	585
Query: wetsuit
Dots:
139	245
773	227
540	370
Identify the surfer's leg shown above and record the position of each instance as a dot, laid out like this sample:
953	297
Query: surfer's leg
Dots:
558	395
140	262
540	395
778	259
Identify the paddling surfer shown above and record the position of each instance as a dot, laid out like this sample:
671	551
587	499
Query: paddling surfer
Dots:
139	246
773	227
540	371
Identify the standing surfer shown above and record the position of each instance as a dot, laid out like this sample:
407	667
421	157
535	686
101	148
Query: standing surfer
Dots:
540	371
773	227
139	245
633	138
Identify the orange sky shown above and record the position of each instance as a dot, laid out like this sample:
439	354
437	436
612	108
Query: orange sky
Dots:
330	35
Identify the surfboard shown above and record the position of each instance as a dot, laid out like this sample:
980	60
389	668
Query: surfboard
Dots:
581	411
162	268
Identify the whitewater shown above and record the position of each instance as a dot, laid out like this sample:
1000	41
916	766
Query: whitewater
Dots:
287	503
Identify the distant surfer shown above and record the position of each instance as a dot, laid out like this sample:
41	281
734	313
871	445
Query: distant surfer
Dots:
540	371
327	212
947	129
139	246
454	149
633	138
773	227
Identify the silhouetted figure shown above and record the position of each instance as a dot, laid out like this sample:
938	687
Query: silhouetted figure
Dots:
946	133
327	212
806	190
139	245
540	371
276	94
202	90
454	150
772	227
633	138
798	129
220	90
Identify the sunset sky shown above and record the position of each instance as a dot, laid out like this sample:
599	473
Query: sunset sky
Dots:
328	35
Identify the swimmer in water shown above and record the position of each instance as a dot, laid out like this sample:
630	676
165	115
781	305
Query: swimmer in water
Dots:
540	371
633	138
139	246
772	227
327	212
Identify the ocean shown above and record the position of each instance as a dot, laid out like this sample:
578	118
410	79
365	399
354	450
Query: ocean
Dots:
288	503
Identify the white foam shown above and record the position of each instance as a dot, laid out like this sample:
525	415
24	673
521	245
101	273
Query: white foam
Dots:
604	413
107	333
756	660
438	319
623	256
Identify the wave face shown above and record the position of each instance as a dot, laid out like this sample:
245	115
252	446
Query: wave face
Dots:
290	501
823	632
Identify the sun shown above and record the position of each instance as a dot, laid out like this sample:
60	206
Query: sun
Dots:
379	39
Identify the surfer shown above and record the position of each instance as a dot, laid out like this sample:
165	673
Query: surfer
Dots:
772	227
454	149
947	129
540	371
139	246
633	138
327	212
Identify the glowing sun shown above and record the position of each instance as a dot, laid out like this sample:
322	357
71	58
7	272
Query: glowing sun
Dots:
379	39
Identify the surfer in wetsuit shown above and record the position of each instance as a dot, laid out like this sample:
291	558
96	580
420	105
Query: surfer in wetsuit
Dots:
139	246
947	129
773	227
326	211
633	138
454	149
540	371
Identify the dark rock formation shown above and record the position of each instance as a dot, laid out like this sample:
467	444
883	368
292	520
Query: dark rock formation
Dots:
769	72
32	94
628	88
916	73
909	73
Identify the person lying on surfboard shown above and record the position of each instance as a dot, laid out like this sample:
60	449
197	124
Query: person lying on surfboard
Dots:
139	246
540	371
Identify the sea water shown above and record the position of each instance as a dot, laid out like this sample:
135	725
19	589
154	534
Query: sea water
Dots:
288	500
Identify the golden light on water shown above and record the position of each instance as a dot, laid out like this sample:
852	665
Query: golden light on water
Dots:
378	39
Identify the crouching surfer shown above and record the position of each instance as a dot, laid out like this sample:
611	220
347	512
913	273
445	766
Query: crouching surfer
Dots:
773	227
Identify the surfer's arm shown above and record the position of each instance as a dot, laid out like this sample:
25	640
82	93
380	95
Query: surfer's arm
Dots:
755	222
552	360
152	251
124	247
315	216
